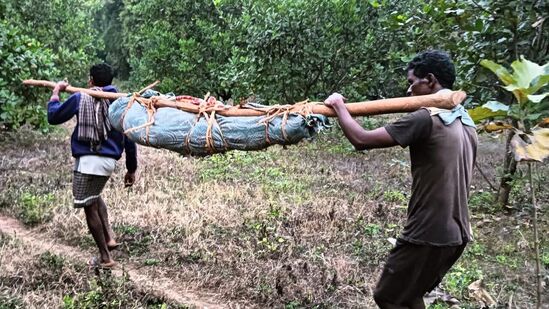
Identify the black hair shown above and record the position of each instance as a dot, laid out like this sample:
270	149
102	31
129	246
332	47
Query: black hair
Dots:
436	62
101	74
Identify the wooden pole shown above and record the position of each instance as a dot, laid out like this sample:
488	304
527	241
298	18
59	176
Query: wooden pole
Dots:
444	99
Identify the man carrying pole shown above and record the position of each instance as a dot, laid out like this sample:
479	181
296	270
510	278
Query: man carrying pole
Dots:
443	146
96	148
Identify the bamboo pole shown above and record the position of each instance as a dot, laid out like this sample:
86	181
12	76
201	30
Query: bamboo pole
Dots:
445	99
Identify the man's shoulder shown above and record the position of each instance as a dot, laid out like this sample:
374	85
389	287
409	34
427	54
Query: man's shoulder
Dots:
110	88
421	115
75	97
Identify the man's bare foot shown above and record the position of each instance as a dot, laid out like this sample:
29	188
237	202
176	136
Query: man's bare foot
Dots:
113	245
96	262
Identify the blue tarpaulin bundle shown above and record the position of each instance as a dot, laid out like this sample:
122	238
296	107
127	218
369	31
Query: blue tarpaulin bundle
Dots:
207	133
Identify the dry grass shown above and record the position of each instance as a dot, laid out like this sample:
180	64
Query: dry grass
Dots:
306	226
31	277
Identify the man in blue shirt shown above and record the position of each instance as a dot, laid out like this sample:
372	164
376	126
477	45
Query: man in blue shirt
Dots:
96	148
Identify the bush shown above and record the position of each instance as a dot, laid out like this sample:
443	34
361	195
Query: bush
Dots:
22	57
42	40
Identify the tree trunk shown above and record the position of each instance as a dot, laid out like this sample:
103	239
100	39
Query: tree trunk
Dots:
509	169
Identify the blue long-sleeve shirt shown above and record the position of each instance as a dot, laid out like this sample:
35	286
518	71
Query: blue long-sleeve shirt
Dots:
113	147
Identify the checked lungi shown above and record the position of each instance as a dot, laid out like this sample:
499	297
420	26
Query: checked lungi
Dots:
87	188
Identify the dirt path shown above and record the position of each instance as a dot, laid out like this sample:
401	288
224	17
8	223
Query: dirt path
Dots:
157	286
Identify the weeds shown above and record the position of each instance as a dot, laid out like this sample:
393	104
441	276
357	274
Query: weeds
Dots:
482	201
110	292
458	279
10	301
35	208
394	196
136	240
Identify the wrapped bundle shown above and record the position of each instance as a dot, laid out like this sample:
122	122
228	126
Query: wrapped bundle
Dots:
207	132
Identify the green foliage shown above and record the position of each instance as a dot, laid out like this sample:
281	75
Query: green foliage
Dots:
459	278
525	81
172	41
483	201
51	261
284	51
41	40
275	51
35	208
278	50
529	109
137	240
105	292
394	196
64	27
109	25
474	30
22	57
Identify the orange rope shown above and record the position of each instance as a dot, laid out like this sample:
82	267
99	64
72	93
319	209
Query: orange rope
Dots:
303	108
209	114
130	103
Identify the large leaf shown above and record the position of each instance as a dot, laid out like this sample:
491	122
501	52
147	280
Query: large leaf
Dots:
540	81
536	98
527	78
499	70
534	148
525	72
496	106
480	113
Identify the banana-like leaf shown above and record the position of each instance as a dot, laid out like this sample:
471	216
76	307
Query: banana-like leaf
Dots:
496	106
499	70
525	71
536	98
527	78
535	148
480	113
540	81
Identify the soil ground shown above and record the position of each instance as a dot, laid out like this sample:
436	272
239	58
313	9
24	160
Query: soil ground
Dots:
308	226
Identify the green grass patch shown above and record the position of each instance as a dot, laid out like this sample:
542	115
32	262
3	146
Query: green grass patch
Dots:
35	208
482	201
135	239
230	165
9	300
460	277
394	196
108	291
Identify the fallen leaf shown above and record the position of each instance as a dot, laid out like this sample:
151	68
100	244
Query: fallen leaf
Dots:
439	296
496	126
477	291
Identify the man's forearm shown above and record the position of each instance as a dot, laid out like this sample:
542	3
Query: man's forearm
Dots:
55	94
351	128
